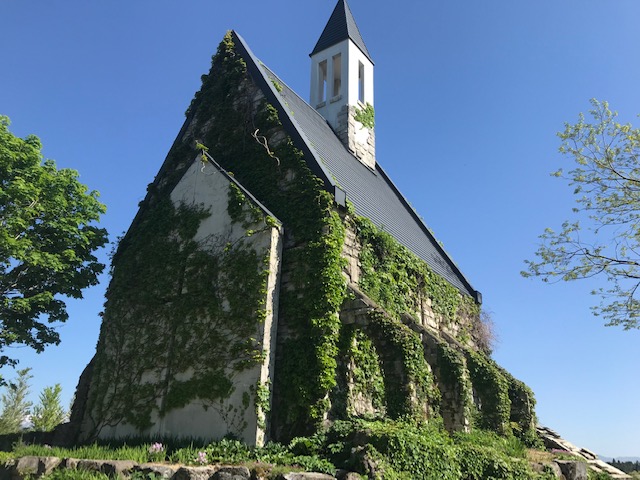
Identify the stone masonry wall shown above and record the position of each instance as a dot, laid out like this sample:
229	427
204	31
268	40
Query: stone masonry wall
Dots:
360	140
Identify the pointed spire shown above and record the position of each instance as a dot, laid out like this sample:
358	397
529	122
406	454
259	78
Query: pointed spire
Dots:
341	26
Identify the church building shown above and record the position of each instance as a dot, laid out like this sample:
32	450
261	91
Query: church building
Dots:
275	280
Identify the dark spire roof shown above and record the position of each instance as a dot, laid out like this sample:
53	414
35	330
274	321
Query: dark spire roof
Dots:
341	26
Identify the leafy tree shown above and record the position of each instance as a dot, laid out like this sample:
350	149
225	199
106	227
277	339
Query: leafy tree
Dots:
46	242
49	412
603	240
15	407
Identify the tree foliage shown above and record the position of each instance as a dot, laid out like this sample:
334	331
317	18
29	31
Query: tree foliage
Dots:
603	239
15	406
47	242
49	412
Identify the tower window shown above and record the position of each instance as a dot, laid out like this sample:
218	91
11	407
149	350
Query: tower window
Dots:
322	81
337	75
361	82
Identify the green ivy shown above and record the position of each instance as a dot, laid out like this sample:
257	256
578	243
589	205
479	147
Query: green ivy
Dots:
171	303
226	116
523	416
412	392
454	376
492	390
366	116
262	403
396	278
361	372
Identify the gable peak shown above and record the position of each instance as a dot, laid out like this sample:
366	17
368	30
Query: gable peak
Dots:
341	26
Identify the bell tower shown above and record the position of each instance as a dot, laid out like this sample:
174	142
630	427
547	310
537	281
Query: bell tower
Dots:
342	83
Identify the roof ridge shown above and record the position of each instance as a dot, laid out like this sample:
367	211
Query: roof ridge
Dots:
279	79
342	174
341	26
256	67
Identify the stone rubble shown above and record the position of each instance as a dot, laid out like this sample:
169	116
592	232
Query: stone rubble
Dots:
553	441
35	467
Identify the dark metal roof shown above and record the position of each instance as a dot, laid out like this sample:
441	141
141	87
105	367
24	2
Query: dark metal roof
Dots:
341	26
371	192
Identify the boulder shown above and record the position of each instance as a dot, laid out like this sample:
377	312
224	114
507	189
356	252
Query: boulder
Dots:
573	470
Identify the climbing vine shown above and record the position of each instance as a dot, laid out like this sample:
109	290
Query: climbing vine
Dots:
491	389
181	320
410	393
366	116
244	135
523	416
360	391
454	376
399	281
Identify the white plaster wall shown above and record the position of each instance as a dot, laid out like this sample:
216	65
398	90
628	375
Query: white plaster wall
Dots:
203	184
350	56
355	55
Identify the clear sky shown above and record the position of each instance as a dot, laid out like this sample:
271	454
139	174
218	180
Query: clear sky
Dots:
468	98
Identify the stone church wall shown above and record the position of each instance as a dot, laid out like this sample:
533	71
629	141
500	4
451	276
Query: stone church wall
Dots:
209	339
392	360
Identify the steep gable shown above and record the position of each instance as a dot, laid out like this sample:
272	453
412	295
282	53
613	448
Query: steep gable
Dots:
371	192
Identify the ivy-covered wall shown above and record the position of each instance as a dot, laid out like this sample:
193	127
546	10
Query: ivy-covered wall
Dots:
189	305
188	332
401	282
472	391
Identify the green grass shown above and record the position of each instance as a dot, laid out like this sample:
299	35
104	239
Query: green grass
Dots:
400	450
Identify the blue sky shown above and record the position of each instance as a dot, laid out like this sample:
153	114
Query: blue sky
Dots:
468	97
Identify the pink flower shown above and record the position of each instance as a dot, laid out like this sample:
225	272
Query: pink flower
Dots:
201	458
156	448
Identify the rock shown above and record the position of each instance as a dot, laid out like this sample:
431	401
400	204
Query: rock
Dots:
90	465
195	473
545	467
588	454
573	470
232	473
345	475
158	471
70	463
48	465
26	466
118	468
305	476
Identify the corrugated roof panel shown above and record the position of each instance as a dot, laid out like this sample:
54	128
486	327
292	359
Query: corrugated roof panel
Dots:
371	192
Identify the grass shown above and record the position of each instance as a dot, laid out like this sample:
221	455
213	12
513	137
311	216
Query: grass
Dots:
402	450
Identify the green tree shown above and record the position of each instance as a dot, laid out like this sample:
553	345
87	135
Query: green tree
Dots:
602	241
47	242
49	412
15	406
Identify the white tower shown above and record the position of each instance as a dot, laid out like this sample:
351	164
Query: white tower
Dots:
342	83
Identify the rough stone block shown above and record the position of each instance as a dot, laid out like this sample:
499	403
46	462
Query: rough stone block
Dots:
573	470
158	471
48	465
26	466
232	473
195	473
545	467
70	463
118	468
305	476
90	465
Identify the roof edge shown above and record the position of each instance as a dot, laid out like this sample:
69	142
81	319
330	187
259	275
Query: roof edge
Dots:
477	296
289	123
245	192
